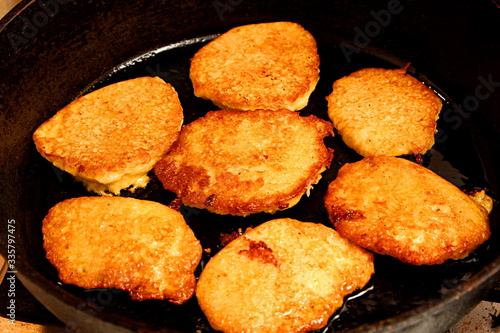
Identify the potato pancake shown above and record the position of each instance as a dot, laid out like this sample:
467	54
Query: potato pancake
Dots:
282	276
393	206
258	66
139	246
111	138
240	163
384	112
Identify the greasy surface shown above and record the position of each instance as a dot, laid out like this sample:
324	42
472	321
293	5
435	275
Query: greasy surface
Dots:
282	276
258	66
399	208
239	163
139	246
384	112
112	137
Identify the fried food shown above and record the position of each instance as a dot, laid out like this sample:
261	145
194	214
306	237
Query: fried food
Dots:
395	207
259	66
111	138
139	246
282	276
384	112
240	163
482	199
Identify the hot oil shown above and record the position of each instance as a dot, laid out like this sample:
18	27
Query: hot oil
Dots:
395	288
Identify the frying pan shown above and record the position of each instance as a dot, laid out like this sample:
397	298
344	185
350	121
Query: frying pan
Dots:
53	51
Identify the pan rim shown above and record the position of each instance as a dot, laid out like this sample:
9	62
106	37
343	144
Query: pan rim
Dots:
490	272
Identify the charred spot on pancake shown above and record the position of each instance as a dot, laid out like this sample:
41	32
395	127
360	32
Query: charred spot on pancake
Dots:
176	204
228	238
339	213
210	200
260	251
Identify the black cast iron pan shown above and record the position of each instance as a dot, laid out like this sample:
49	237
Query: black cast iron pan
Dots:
53	51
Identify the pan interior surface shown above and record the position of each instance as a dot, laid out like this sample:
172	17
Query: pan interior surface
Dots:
395	288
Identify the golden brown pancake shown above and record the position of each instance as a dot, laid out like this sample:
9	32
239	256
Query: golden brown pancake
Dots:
282	276
384	112
240	163
258	66
392	206
110	138
139	246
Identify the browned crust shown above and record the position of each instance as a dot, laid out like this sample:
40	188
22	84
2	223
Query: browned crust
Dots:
121	129
285	276
241	163
259	66
138	246
260	251
396	207
384	112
